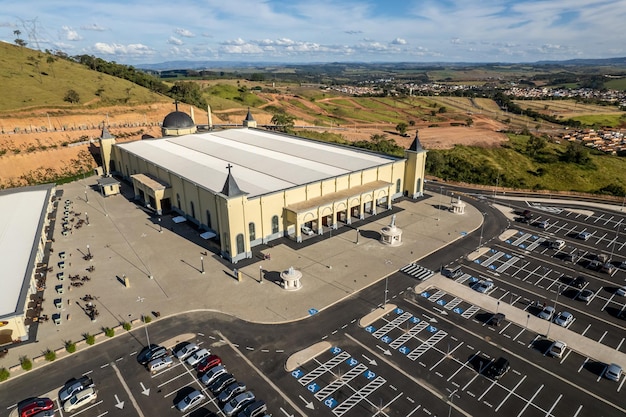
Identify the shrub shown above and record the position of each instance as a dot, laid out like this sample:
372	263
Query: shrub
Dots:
109	332
50	355
126	326
147	319
26	363
4	374
70	346
89	338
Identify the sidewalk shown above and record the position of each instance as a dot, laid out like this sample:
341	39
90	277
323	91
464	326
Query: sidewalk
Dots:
576	342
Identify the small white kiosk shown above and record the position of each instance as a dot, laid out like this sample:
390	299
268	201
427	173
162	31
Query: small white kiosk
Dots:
457	207
391	235
291	279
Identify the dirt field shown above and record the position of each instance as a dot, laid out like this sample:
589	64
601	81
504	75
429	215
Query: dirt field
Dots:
38	146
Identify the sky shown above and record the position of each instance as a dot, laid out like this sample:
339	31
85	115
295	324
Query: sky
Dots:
304	31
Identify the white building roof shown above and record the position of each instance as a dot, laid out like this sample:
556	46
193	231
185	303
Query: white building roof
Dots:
262	162
21	214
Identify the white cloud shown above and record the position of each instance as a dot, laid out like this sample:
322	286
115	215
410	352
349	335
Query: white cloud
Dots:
398	41
184	32
95	27
118	49
70	34
174	41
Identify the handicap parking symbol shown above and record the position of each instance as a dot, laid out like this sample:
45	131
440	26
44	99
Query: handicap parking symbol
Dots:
335	350
330	402
458	310
492	267
352	361
313	311
404	350
507	256
477	261
398	310
313	387
441	302
492	250
508	241
414	320
370	329
425	294
522	246
431	329
386	339
473	280
369	374
297	374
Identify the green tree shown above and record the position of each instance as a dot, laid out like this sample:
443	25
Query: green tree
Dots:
19	41
283	121
576	153
71	96
401	128
469	122
534	145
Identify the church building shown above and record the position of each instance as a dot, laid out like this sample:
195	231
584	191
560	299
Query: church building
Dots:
248	186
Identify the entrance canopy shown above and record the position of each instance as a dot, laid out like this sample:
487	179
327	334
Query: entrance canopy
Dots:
152	183
342	195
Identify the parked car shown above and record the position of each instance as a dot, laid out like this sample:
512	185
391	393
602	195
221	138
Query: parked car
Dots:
594	265
613	372
230	391
579	282
546	313
212	374
542	224
454	271
35	405
586	295
221	383
191	400
186	350
557	349
621	291
564	318
558	244
255	409
497	319
607	268
73	386
159	364
198	356
498	368
238	403
80	399
151	352
307	230
569	257
622	265
208	363
483	286
583	235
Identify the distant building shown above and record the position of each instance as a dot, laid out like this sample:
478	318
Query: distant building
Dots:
248	186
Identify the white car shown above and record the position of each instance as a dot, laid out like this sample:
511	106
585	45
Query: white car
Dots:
583	235
191	400
557	349
212	374
186	351
547	313
237	403
564	318
621	291
159	364
307	230
483	286
613	372
80	399
198	356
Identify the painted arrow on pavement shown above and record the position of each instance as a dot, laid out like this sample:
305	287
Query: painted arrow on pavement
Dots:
309	404
146	391
370	361
119	404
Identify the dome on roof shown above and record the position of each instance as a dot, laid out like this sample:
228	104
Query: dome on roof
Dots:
178	120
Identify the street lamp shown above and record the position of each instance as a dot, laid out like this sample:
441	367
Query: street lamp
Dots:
260	274
440	203
480	241
86	198
386	292
202	264
554	312
358	232
88	252
451	397
160	228
87	218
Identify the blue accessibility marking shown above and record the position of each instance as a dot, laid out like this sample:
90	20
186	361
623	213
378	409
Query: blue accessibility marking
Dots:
492	267
297	373
508	241
507	256
472	279
335	350
425	294
370	329
431	329
404	350
522	246
463	233
492	250
369	374
330	402
398	310
313	311
386	339
313	387
441	302
414	320
520	233
352	362
458	310
535	237
477	261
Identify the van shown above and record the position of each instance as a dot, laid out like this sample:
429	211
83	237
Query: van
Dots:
452	271
159	364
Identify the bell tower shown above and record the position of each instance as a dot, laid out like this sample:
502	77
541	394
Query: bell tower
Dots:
415	169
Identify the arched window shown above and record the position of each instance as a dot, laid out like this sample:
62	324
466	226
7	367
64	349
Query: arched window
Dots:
193	210
252	231
208	219
398	185
274	224
240	246
178	199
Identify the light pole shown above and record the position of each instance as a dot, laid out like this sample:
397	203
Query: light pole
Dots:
260	274
451	397
202	264
556	299
358	232
614	242
88	252
480	241
87	218
440	203
86	198
386	292
145	326
160	228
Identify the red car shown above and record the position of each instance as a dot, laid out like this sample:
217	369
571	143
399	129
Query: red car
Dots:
208	363
34	406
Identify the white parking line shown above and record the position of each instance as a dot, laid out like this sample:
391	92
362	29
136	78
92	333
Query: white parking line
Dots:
583	365
487	390
463	365
530	401
518	335
88	408
554	405
510	393
414	410
605	332
585	331
620	344
578	411
620	385
602	373
500	332
446	356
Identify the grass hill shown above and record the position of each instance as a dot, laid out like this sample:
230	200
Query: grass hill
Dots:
35	79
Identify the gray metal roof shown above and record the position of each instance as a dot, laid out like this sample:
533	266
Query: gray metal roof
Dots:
262	162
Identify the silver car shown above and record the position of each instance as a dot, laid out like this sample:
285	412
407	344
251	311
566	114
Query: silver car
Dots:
186	351
191	400
547	313
238	403
74	386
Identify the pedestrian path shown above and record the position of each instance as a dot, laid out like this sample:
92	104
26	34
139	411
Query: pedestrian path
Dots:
417	271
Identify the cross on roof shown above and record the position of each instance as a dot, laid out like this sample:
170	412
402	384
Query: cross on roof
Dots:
176	104
228	167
